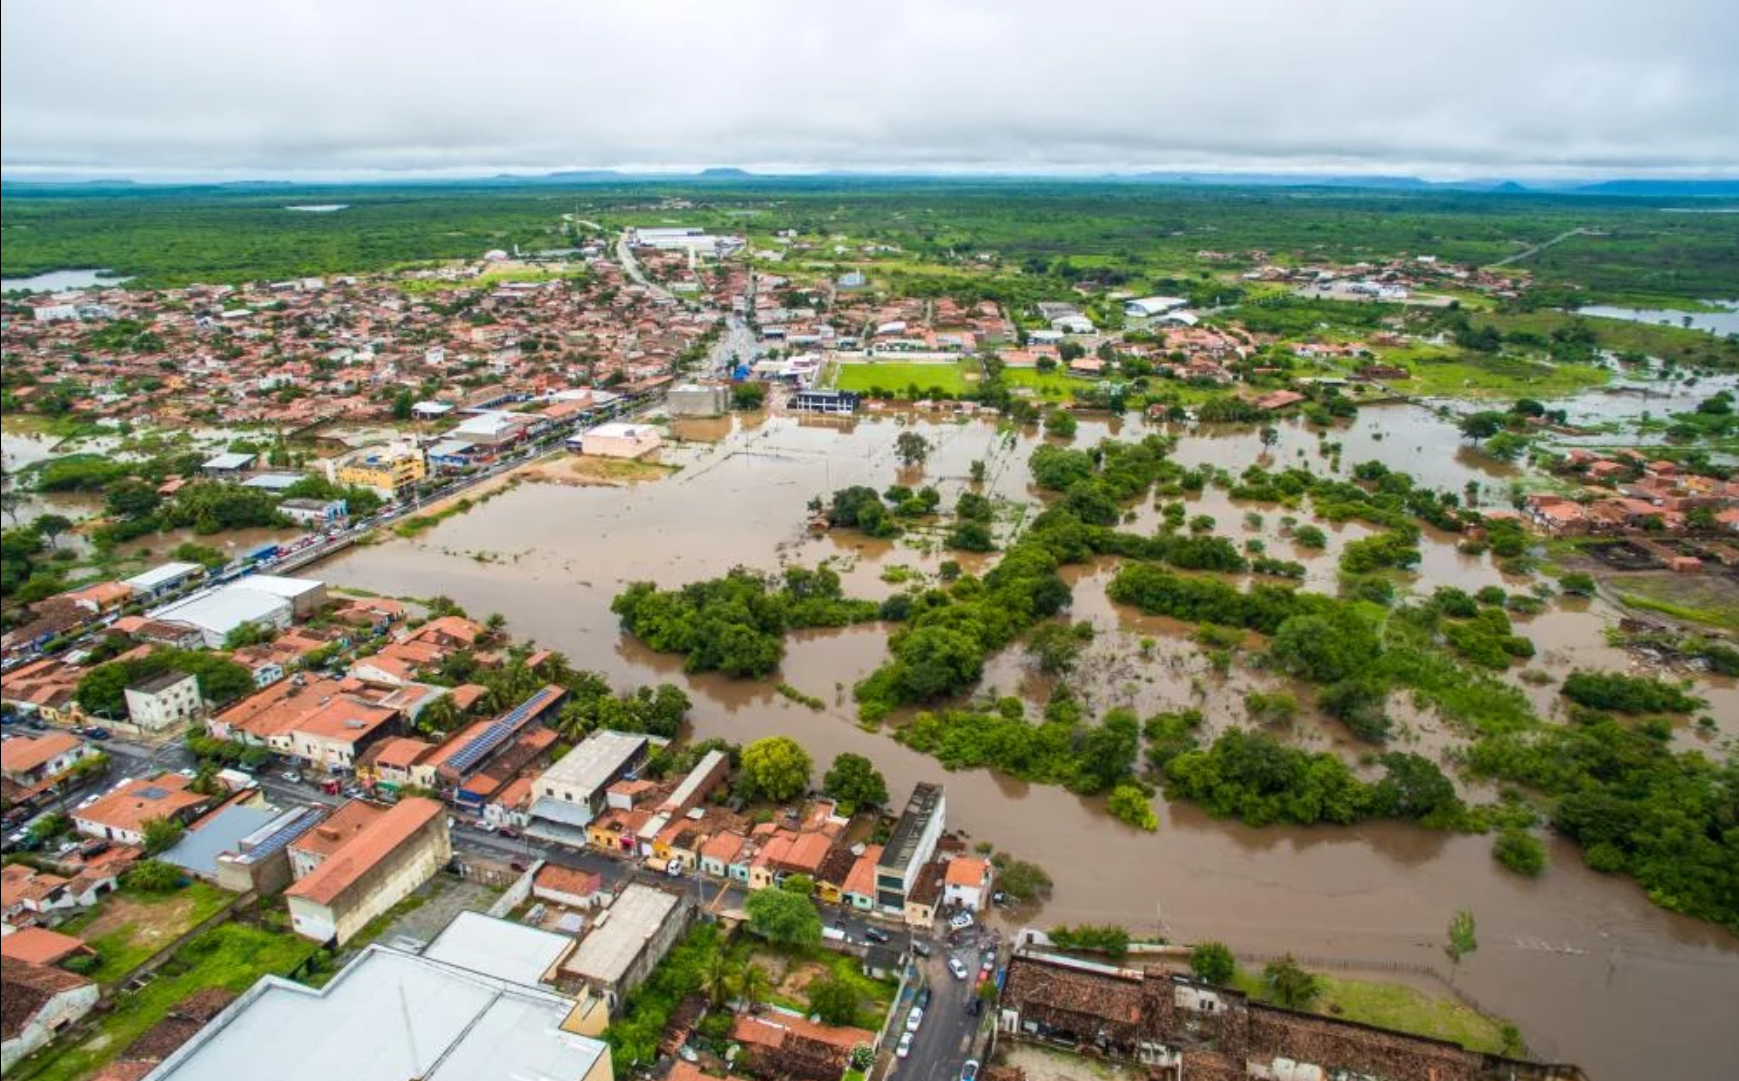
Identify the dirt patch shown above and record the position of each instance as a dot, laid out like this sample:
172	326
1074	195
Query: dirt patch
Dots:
146	923
586	472
795	980
1044	1064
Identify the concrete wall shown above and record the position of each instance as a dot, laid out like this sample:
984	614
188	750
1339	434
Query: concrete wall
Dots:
512	897
60	1011
387	883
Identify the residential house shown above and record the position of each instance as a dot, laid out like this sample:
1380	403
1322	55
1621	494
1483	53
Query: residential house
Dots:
720	852
40	946
37	1003
29	761
123	813
859	888
312	848
390	763
164	700
787	1046
334	736
381	865
568	886
966	884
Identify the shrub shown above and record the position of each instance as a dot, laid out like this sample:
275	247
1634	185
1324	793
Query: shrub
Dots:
1520	851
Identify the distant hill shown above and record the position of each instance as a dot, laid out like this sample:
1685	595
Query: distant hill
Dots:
1703	189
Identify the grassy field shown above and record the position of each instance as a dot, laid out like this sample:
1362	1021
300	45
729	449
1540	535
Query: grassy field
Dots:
130	926
1449	373
1703	598
1397	1006
232	956
1668	343
894	375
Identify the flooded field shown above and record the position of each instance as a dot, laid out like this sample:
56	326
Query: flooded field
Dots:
1563	955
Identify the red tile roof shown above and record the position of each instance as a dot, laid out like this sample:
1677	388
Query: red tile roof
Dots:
360	855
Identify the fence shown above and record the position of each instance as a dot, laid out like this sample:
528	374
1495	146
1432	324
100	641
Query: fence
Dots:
516	894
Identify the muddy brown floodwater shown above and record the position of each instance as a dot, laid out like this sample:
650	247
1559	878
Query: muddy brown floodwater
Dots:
1590	970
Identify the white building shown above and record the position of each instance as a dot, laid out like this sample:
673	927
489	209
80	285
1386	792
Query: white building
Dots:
567	796
618	439
910	846
165	578
391	1015
1148	307
217	613
41	1002
163	700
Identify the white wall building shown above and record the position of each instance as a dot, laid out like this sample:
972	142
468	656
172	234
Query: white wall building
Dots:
164	700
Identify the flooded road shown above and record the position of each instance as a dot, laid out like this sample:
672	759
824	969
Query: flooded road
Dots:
1590	970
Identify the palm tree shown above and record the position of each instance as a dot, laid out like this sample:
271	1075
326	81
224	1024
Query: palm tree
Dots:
717	977
439	717
755	986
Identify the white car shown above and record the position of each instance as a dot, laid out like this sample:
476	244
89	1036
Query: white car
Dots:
905	1047
292	777
914	1019
961	922
958	967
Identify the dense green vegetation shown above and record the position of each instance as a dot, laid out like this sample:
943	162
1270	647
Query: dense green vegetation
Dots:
1634	806
102	690
1627	694
1063	749
736	624
1048	236
1259	780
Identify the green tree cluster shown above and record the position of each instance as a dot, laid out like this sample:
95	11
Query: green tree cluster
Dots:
736	624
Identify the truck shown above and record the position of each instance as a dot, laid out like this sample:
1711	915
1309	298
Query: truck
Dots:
264	553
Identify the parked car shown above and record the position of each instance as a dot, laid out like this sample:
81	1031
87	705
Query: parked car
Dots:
292	776
961	922
98	733
969	1071
958	967
924	999
920	947
873	934
507	832
989	962
673	868
905	1047
914	1019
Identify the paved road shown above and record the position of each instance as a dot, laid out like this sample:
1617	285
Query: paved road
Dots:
631	267
946	1036
1537	248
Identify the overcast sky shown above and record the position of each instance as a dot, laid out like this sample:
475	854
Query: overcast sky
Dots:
351	87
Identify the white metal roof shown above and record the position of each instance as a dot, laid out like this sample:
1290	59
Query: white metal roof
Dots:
160	576
234	460
388	1016
500	948
226	609
280	586
593	763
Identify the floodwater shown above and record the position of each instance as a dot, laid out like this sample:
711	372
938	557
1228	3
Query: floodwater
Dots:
1590	970
1722	322
58	281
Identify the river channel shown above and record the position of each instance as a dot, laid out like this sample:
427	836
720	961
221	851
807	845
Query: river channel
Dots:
1590	970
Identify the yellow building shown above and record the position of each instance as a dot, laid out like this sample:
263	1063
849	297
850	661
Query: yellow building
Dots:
389	472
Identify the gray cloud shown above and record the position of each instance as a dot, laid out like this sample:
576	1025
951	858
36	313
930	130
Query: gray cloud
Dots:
321	87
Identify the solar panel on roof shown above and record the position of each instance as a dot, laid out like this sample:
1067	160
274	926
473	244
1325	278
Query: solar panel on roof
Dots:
282	837
498	731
